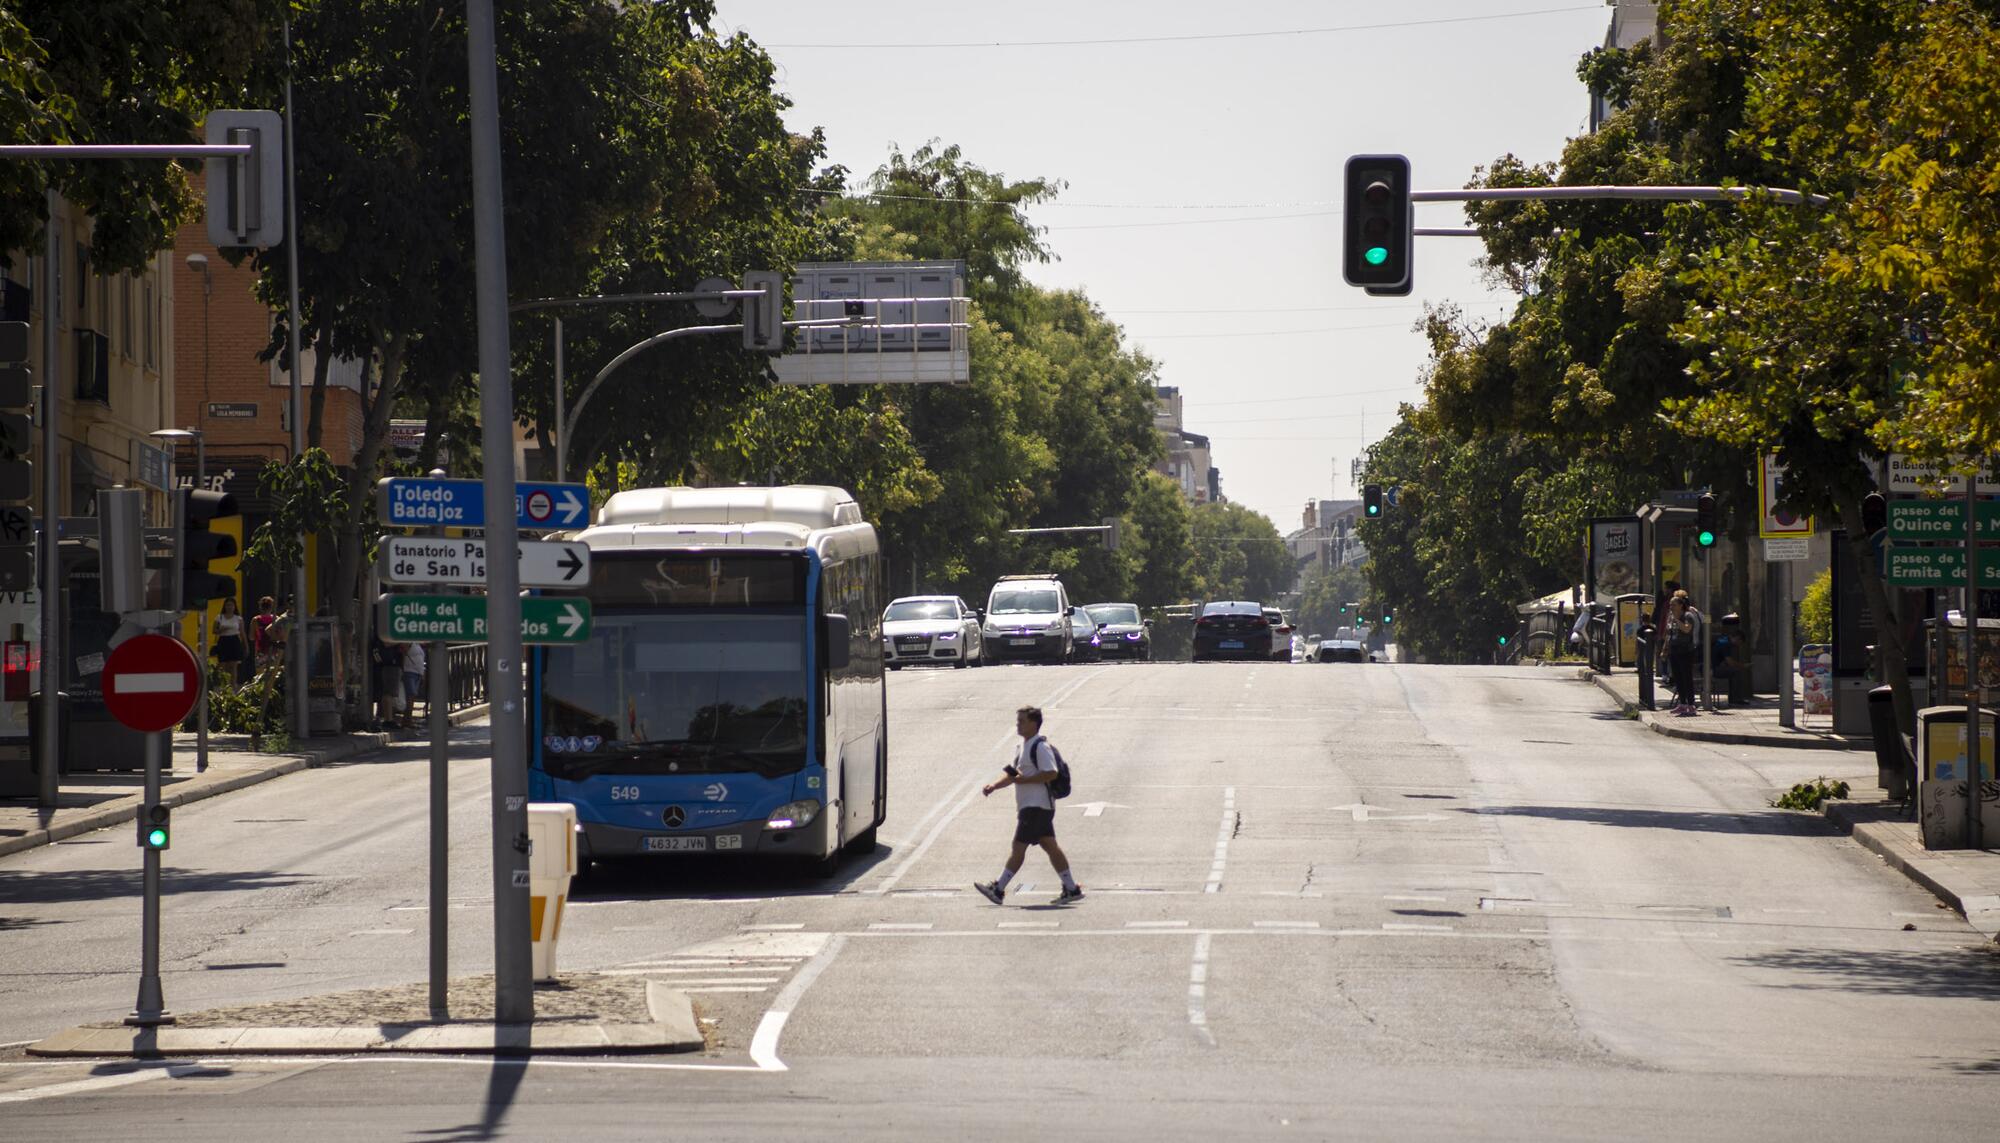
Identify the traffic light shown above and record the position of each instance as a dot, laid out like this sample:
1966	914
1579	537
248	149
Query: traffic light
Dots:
1376	249
1503	639
1388	616
1704	521
196	513
1874	513
1371	501
764	318
156	822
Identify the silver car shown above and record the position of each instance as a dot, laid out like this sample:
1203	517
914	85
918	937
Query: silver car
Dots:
936	629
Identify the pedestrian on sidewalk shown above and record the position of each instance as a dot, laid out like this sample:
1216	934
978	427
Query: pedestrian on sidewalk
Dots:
1683	636
1034	810
1662	607
413	681
228	645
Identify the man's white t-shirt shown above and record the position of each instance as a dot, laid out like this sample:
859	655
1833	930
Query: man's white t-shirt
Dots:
1029	762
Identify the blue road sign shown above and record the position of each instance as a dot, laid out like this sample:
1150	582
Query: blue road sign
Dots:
422	502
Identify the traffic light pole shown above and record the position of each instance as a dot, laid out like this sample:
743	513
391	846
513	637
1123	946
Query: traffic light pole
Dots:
151	1008
51	599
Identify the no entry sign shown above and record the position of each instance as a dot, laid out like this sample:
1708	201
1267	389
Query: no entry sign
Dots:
150	682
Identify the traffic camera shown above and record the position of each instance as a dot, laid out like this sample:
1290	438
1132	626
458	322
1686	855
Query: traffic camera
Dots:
156	826
1376	249
199	514
1371	501
1704	521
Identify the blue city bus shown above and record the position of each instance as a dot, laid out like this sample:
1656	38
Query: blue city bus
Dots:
730	697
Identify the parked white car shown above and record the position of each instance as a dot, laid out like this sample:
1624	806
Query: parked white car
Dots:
936	629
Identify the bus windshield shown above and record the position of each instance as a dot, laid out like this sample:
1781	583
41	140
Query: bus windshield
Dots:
682	691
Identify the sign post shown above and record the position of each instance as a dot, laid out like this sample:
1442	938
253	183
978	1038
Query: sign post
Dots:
1785	534
150	684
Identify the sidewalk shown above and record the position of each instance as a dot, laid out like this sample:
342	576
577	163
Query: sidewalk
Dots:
1966	879
1754	723
92	800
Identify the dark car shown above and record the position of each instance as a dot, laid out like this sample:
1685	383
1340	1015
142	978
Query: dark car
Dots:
1232	629
1281	635
1121	631
1084	646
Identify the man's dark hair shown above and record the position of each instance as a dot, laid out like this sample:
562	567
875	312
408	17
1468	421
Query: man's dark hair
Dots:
1034	714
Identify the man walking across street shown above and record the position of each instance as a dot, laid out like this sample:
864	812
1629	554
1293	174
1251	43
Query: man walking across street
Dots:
1035	811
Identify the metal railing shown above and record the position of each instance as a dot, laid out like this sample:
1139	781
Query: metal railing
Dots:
466	664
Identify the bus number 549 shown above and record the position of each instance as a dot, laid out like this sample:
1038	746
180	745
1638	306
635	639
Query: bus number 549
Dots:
624	793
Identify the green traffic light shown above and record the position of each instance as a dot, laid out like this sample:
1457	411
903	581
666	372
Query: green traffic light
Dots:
156	838
1503	640
1376	255
1705	539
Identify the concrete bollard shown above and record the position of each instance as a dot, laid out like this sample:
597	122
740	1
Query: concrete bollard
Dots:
551	864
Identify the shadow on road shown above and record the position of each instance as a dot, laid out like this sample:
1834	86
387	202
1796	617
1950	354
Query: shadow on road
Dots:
715	878
503	1083
1776	822
48	887
1926	972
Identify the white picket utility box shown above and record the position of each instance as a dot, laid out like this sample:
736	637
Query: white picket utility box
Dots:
551	864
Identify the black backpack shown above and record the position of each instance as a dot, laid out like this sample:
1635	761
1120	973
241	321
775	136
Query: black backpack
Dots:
1059	786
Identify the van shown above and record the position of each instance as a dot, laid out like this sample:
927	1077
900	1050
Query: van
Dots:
1027	620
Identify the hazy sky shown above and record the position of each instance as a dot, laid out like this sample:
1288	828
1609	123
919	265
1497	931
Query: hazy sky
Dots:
1202	158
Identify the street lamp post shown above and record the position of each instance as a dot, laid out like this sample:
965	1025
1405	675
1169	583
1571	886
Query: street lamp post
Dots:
174	437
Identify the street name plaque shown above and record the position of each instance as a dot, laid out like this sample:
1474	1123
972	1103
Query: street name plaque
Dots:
462	619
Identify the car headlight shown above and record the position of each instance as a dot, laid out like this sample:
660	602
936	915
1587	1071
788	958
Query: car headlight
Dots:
794	815
1133	635
946	636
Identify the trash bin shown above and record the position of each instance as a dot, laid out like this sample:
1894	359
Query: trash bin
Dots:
20	761
551	864
1894	768
1942	767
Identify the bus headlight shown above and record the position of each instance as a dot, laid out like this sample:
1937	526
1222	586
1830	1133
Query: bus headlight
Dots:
794	815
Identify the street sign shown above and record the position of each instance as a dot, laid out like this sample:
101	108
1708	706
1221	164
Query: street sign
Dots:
462	619
150	682
1940	519
1773	522
423	502
1787	548
1940	567
1907	476
423	559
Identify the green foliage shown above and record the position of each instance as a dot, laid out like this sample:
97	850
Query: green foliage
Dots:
1326	589
1810	795
1816	610
256	707
1238	554
308	497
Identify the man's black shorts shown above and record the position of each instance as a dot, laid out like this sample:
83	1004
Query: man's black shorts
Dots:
1033	824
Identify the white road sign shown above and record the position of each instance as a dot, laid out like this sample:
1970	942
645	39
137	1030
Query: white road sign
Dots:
424	559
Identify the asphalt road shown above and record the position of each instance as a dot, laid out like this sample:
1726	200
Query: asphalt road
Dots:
1366	901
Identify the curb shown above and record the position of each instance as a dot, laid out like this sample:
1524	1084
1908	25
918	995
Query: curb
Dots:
1980	910
1724	737
116	815
481	1038
469	714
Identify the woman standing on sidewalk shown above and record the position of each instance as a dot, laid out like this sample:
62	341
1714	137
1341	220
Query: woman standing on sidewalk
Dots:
1683	633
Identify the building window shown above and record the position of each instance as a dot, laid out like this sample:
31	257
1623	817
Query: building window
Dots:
82	283
125	310
152	360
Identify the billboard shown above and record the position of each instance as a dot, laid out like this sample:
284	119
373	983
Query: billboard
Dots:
1615	566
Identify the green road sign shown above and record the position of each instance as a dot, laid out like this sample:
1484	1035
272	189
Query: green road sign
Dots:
462	619
1940	567
1940	519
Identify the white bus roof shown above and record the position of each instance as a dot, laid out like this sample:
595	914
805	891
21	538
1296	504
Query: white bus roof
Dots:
811	506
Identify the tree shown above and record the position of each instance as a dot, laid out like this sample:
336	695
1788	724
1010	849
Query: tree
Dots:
1238	554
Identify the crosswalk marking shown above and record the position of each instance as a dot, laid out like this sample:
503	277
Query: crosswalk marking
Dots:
1284	924
1156	924
1030	924
892	926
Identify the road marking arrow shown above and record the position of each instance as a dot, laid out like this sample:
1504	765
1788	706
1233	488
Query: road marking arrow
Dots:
571	507
572	620
1096	809
1363	812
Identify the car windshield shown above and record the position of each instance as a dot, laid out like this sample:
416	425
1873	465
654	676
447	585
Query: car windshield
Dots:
904	609
1113	613
1035	601
688	691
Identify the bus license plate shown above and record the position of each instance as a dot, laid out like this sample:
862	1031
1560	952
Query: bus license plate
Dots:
675	844
1232	644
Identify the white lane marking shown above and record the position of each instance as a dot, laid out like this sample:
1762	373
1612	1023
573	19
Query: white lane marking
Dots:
381	932
15	1044
723	989
1156	924
1030	924
1284	924
1394	927
764	1045
972	791
714	980
93	1084
764	946
1426	900
1197	1005
772	928
716	964
1543	932
1222	834
901	926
